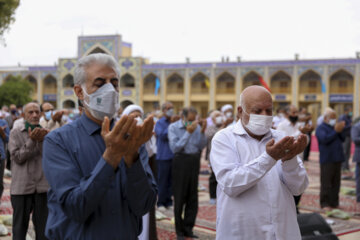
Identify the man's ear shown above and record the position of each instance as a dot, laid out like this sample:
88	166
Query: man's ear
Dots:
79	92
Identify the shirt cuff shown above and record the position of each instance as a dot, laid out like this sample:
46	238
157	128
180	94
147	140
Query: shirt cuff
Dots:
290	165
267	161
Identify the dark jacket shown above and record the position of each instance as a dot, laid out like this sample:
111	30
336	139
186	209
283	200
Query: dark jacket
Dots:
355	136
330	144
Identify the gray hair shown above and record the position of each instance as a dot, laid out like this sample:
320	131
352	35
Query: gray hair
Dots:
164	105
30	103
99	58
215	112
328	111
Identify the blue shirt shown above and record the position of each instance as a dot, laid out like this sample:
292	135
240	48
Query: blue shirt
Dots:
4	141
330	144
181	141
162	141
87	198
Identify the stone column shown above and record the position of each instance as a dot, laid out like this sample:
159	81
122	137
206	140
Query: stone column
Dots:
238	86
40	87
295	83
325	95
187	88
162	86
356	99
212	89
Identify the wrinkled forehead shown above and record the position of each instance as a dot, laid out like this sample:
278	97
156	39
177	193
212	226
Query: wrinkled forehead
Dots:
32	108
258	100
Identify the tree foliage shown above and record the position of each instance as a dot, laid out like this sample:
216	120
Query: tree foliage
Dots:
7	11
15	90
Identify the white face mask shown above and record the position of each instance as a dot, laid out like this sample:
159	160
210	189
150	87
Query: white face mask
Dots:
259	124
218	120
228	115
170	112
103	102
139	121
332	122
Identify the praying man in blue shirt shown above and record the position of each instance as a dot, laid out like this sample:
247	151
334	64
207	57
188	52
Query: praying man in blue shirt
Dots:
100	181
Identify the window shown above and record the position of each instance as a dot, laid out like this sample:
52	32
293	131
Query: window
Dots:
343	84
284	84
312	84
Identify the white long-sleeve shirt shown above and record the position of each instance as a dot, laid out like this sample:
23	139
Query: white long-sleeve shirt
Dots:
255	192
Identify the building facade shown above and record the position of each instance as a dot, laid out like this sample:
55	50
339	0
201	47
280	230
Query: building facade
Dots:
314	84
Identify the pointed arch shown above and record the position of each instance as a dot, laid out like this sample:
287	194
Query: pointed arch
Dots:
175	84
225	83
68	81
199	83
341	81
280	82
310	82
149	83
127	81
251	78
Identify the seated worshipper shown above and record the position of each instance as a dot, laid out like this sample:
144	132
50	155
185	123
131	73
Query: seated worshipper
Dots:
29	187
149	221
258	172
100	180
330	137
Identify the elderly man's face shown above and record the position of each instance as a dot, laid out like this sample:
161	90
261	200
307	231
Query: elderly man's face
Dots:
97	75
32	113
168	107
329	117
47	107
255	107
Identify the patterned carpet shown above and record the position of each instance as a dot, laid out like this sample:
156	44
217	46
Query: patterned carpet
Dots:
206	218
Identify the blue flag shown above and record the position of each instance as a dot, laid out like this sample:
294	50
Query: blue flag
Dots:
323	87
157	86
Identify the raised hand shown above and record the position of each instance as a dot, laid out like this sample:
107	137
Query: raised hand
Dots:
339	126
279	150
191	128
296	148
38	134
57	116
306	129
117	141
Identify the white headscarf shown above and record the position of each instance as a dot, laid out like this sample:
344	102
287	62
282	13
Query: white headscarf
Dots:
131	108
226	107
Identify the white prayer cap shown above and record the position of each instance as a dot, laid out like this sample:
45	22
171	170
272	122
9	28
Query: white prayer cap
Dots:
226	107
131	108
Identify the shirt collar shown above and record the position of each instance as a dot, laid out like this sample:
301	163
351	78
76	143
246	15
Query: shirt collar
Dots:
180	124
90	126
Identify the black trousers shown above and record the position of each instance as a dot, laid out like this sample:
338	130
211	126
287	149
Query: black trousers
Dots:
185	188
2	169
164	179
330	179
307	149
23	206
347	153
152	217
212	185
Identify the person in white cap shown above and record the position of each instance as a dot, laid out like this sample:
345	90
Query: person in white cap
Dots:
149	222
228	112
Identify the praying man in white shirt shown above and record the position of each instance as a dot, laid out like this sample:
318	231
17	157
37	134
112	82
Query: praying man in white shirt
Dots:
258	173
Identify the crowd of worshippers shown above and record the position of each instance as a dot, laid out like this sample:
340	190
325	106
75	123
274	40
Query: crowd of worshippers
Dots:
104	172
